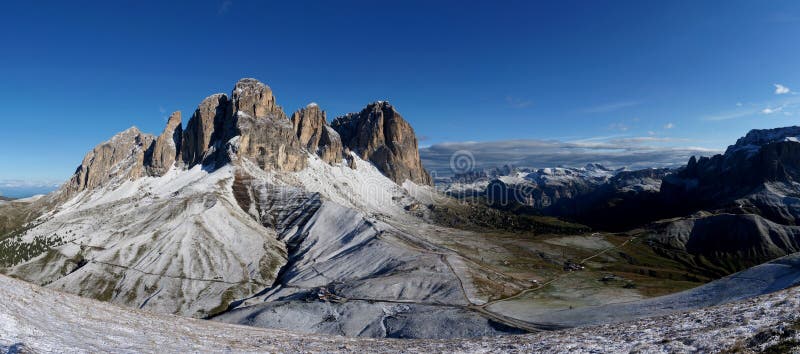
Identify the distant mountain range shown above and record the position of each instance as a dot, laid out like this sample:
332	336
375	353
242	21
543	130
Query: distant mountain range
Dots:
728	212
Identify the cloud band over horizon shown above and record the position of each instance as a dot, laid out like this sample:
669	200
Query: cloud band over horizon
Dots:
613	153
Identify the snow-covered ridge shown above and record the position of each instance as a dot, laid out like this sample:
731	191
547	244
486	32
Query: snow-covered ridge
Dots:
172	244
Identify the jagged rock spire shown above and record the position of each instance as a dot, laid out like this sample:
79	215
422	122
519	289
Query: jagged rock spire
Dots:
379	134
266	136
167	148
311	127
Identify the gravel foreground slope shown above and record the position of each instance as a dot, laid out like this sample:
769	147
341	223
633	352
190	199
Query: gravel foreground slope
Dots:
34	319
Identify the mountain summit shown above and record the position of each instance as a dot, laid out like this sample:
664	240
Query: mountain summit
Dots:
380	134
250	125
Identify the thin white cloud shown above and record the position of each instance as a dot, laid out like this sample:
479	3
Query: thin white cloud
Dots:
669	125
619	126
730	115
17	183
25	188
781	90
518	103
644	139
787	102
611	107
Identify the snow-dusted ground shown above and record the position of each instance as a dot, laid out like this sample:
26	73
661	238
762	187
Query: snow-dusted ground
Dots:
763	279
35	319
174	244
359	242
193	242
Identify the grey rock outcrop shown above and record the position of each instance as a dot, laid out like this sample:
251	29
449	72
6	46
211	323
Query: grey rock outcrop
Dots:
379	134
311	126
120	158
167	148
266	136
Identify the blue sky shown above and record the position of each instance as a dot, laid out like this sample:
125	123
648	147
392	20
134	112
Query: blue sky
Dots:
663	74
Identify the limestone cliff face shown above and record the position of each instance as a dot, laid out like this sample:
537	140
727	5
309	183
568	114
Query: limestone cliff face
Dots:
167	148
199	135
311	127
379	134
249	124
120	158
265	135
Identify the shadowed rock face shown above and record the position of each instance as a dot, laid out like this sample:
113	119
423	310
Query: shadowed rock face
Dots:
379	134
763	156
311	126
167	147
199	135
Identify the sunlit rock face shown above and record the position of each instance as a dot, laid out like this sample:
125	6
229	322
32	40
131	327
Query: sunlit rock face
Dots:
311	126
379	134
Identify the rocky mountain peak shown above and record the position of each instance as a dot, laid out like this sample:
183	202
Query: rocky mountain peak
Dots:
254	98
121	157
167	148
379	134
311	127
249	124
266	136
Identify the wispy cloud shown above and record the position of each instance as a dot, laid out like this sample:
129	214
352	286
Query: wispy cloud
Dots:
517	102
669	126
781	89
787	100
730	114
614	152
224	7
644	139
611	107
783	104
619	127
